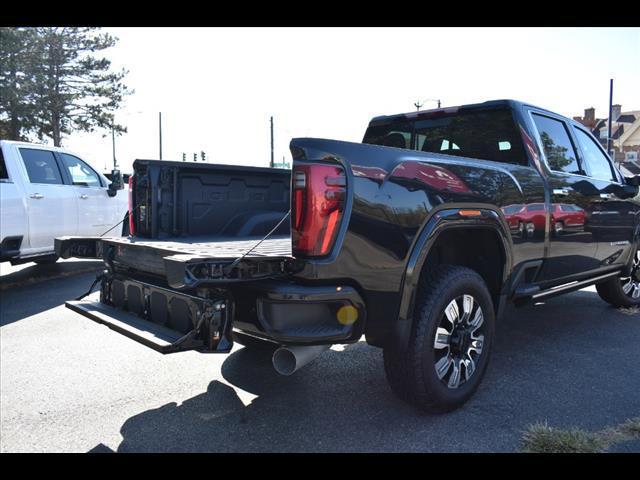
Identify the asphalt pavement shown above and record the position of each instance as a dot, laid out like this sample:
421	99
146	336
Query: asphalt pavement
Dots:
68	384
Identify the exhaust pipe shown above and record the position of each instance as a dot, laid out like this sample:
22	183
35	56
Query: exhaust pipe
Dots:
287	360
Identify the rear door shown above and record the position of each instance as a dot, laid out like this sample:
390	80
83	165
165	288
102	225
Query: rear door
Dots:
95	207
570	251
613	218
52	209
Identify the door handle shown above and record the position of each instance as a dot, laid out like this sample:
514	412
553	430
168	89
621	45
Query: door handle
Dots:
37	196
560	191
84	197
606	196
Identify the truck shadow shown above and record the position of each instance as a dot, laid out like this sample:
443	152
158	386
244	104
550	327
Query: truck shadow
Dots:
34	273
20	301
545	365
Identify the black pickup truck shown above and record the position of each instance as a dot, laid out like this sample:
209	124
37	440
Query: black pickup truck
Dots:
415	238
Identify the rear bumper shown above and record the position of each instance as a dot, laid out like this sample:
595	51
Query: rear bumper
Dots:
289	313
170	321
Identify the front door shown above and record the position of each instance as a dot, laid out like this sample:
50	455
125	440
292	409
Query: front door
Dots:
51	205
613	217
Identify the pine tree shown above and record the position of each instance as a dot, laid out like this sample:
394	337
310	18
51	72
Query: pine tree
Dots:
17	84
76	89
53	82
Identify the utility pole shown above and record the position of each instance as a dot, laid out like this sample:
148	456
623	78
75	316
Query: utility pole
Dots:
610	120
113	141
160	131
271	164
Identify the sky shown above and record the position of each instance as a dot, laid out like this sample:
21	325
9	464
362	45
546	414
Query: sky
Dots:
217	87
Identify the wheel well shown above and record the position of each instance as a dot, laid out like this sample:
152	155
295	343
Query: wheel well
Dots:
479	249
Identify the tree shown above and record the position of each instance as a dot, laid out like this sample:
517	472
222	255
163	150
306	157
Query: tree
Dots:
17	86
70	88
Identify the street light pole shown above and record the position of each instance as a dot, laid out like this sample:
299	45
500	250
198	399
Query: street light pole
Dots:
160	131
271	164
610	119
113	141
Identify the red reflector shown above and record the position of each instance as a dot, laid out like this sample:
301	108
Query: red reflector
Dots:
318	197
131	222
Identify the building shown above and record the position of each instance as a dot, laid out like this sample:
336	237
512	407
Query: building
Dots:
625	135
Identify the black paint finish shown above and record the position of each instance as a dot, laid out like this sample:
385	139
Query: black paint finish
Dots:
400	200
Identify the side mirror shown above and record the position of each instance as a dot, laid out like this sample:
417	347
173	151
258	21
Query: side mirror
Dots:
117	183
633	181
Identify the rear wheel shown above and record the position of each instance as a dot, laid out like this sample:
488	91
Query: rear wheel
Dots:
450	344
624	291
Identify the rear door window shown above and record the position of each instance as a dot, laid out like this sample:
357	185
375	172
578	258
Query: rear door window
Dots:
557	146
41	166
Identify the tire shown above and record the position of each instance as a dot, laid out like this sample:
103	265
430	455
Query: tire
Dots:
411	372
47	260
623	291
558	228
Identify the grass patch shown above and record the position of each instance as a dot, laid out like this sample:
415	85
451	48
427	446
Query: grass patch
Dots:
630	310
541	438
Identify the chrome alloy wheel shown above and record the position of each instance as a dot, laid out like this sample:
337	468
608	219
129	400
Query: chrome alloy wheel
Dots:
631	285
459	341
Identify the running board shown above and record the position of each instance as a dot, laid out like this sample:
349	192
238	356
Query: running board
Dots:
570	287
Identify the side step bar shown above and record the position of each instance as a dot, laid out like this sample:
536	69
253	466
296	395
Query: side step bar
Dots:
527	293
577	285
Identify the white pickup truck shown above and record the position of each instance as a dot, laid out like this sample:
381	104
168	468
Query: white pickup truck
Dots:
47	192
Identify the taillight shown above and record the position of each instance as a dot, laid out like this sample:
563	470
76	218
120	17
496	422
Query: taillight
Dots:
318	198
131	222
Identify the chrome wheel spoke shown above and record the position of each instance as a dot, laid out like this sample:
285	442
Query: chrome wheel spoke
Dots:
456	373
443	365
477	343
636	291
452	313
477	321
627	287
469	367
467	308
442	339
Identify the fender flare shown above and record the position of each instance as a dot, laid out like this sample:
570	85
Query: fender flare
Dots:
441	220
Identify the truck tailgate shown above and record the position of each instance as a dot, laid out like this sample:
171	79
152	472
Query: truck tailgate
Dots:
188	261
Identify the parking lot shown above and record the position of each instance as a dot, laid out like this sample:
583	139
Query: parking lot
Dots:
70	385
